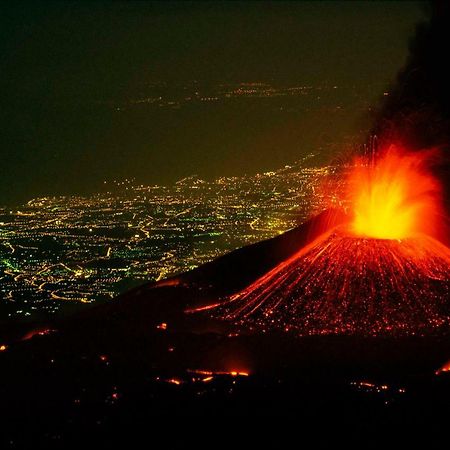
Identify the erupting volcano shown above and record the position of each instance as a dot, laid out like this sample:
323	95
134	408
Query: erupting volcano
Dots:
384	272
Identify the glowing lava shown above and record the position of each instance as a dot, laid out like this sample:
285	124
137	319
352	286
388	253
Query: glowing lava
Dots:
343	284
382	274
396	197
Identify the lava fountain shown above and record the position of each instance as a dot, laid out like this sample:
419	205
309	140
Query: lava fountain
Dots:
395	198
383	273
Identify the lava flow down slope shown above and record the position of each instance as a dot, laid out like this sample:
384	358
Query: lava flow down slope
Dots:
383	273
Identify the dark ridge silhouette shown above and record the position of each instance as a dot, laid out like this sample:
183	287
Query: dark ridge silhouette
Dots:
236	269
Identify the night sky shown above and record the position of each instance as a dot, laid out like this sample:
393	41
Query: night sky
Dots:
69	71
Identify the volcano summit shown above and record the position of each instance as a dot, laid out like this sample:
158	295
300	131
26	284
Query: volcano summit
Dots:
381	274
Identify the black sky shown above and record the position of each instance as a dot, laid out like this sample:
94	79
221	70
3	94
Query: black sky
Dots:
65	65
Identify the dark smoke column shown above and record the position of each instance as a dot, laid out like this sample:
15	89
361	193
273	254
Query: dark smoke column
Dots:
417	111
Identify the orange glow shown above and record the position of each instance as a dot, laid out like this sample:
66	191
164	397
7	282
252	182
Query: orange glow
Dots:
201	372
162	326
233	373
444	368
395	198
241	374
3	348
37	332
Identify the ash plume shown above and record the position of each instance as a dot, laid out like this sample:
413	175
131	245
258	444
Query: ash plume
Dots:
417	109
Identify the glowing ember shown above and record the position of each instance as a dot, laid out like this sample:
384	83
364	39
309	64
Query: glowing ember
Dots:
233	373
444	368
207	379
174	381
395	198
38	332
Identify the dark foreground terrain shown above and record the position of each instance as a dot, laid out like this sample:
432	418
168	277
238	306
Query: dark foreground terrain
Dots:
141	367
